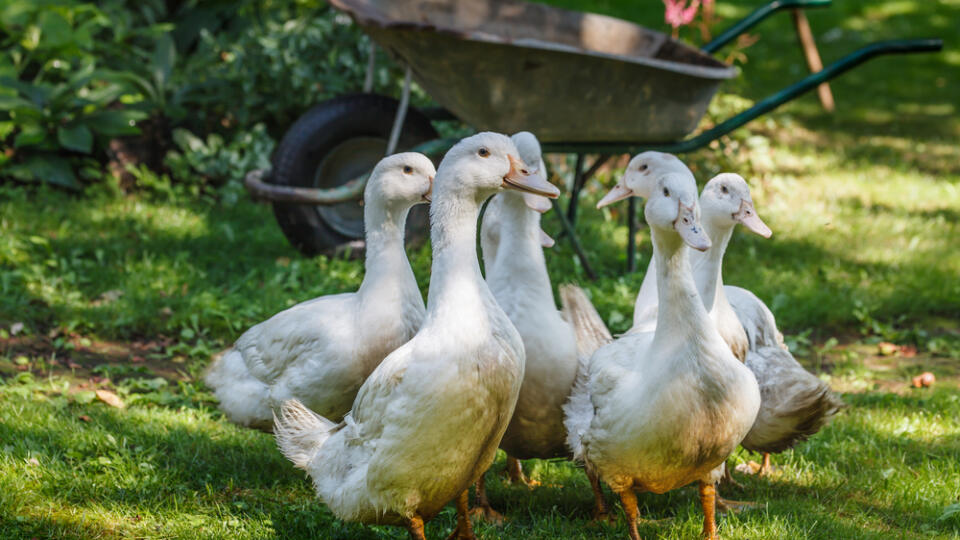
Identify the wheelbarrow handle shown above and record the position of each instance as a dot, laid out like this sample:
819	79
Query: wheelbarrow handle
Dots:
257	182
848	62
259	189
755	17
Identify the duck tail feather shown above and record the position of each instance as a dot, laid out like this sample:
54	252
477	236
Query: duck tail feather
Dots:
300	432
590	331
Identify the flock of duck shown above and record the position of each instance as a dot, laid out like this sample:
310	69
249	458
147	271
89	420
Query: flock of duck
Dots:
395	408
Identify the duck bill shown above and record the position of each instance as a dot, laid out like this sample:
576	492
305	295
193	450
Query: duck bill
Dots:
747	216
537	203
429	193
690	230
520	179
545	240
618	193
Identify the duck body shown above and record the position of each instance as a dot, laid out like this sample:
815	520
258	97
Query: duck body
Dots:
321	351
691	405
517	276
423	427
295	353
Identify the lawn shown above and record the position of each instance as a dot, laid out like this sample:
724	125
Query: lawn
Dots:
132	294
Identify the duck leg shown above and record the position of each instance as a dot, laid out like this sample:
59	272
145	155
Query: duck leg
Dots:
759	469
726	505
483	510
629	501
708	500
728	479
766	468
600	510
415	528
464	530
515	471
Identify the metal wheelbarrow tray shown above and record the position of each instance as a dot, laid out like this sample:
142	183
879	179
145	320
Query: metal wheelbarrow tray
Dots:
507	66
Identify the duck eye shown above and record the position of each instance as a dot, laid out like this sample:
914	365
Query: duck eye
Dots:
643	167
407	169
483	152
724	189
666	192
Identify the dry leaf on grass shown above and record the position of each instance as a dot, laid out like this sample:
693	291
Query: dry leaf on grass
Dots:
110	399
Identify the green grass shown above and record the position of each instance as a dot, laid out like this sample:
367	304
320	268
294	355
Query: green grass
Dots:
134	293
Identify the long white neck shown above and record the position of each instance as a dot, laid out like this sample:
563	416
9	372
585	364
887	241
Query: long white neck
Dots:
681	313
708	265
456	284
386	260
518	255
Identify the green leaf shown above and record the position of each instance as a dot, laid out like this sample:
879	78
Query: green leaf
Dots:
76	137
49	168
949	511
30	135
164	57
55	30
13	103
37	93
115	123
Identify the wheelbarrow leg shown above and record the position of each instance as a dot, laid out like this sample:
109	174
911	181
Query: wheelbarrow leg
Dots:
812	55
579	180
574	241
575	192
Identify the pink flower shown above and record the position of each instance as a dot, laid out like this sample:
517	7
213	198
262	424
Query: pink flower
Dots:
678	13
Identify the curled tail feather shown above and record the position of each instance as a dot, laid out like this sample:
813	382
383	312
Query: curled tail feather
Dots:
588	327
300	432
591	334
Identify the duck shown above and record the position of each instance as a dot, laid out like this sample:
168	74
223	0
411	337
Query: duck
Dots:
322	350
427	422
795	404
516	273
691	401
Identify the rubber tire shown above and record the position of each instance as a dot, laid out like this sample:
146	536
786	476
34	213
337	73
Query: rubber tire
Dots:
313	136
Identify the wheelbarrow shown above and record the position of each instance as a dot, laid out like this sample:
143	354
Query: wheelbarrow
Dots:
582	82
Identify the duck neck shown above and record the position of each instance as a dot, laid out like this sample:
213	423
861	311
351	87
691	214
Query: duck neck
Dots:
708	265
681	311
519	254
456	283
385	259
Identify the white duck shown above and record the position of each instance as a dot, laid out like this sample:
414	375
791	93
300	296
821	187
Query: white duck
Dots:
795	404
427	422
690	400
516	272
320	351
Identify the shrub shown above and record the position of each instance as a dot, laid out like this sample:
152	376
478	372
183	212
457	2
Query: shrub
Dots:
56	101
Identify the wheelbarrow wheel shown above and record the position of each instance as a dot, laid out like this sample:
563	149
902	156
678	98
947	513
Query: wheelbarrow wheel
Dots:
332	143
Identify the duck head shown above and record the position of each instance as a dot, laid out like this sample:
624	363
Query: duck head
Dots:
529	148
530	152
726	201
486	163
404	179
642	173
672	205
